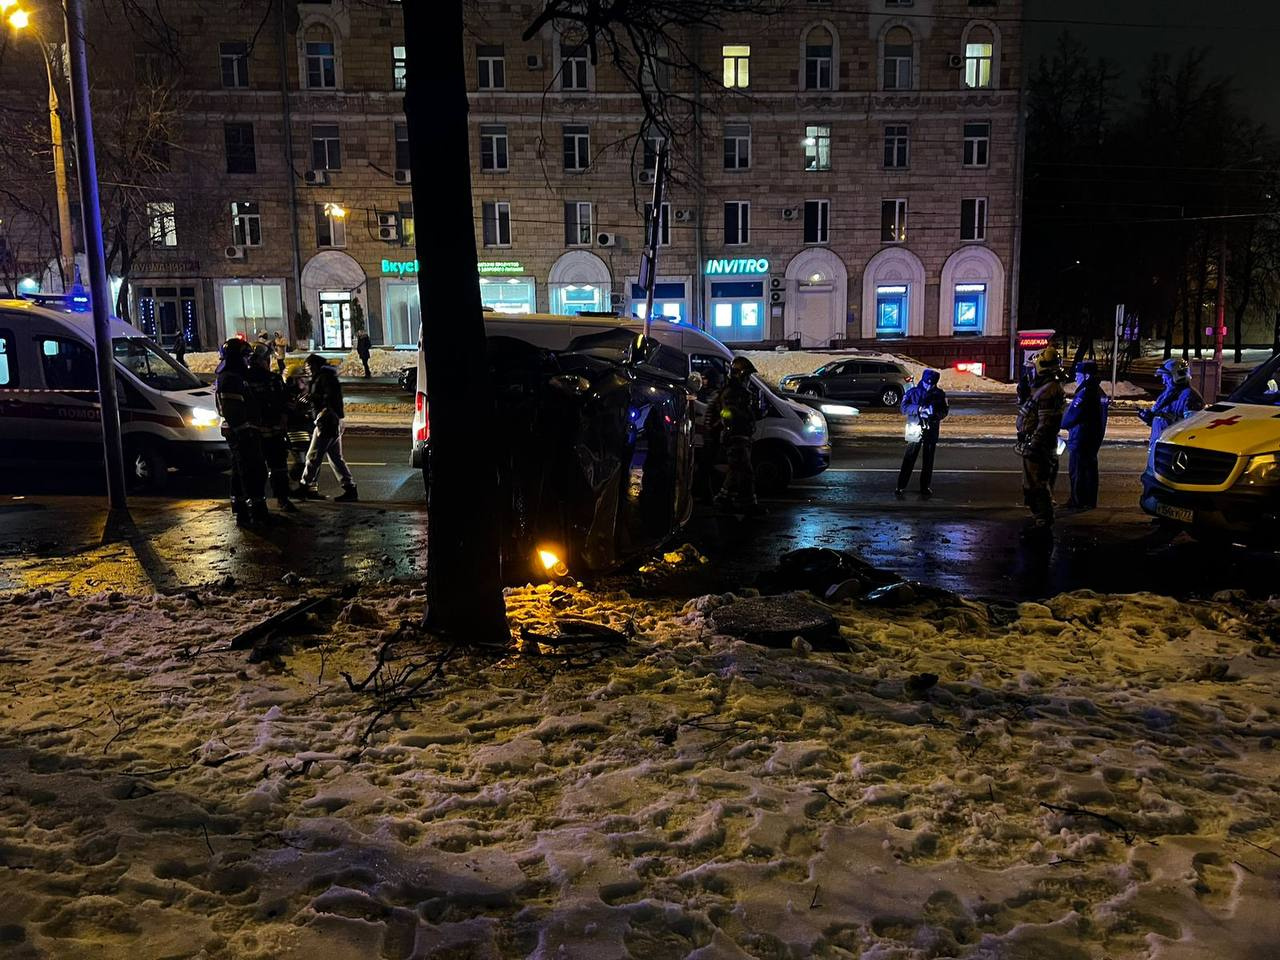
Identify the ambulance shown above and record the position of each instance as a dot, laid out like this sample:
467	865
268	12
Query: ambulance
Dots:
1217	473
49	409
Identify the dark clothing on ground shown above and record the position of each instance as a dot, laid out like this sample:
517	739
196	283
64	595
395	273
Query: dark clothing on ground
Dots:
925	407
731	422
1039	420
1086	423
363	346
1177	402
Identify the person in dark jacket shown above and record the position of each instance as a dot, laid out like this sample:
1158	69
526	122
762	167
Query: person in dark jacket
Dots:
180	349
1085	422
363	346
925	407
272	421
1039	420
238	405
325	397
1178	400
731	424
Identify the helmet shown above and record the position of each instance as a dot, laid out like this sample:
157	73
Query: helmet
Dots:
1047	361
262	355
234	350
1175	370
930	377
741	367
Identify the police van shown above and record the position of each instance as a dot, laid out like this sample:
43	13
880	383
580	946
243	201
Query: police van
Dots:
1217	473
791	441
49	407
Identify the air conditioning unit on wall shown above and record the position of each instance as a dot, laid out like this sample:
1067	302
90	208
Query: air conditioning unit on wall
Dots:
790	213
606	239
316	178
776	283
234	252
533	61
684	216
645	176
404	177
776	296
388	226
955	61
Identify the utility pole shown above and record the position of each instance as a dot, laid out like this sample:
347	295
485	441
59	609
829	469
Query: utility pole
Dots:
1221	327
1115	346
99	291
649	260
286	111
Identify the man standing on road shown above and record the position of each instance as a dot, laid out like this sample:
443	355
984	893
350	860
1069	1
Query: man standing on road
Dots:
925	407
1039	420
268	388
1178	401
731	422
180	349
1085	422
238	406
326	439
363	346
280	348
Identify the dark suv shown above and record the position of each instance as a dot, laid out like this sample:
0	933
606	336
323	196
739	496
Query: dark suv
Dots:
858	378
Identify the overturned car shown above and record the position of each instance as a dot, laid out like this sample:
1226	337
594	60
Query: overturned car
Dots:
595	457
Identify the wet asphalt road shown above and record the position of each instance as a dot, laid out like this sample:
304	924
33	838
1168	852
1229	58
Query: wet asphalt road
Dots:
965	538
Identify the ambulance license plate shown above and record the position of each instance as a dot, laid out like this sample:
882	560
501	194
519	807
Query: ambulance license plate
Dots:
1181	514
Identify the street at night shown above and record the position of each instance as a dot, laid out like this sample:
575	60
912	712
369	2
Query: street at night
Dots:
639	480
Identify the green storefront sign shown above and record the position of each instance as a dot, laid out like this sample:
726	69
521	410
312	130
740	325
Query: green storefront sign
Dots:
409	268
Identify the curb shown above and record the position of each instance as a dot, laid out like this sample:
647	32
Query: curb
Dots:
375	430
844	440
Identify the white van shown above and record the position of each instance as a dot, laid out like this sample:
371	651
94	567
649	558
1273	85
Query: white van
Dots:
49	395
791	441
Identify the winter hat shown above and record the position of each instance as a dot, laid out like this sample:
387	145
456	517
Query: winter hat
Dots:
930	378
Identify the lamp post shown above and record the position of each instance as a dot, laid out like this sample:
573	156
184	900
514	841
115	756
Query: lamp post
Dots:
21	20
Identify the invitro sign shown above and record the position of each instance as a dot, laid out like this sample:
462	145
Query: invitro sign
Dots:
409	268
747	266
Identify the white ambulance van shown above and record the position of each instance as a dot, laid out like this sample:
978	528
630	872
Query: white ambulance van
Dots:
49	407
791	441
1217	473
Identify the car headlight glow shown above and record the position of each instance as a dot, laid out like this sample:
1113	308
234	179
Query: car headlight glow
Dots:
200	417
1262	470
815	425
838	410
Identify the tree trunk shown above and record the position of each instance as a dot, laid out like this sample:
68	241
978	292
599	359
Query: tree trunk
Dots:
464	581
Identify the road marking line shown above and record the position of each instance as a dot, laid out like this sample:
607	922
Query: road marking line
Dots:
1014	473
360	463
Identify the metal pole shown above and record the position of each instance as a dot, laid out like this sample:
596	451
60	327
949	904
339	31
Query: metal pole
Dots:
60	176
99	291
1115	346
1221	326
291	174
650	269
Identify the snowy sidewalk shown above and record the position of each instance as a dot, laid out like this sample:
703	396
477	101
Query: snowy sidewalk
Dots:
1091	777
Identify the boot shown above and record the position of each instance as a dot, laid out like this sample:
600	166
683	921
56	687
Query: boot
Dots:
307	492
258	510
285	505
348	495
241	511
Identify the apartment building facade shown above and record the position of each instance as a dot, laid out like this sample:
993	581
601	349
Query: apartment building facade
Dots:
851	175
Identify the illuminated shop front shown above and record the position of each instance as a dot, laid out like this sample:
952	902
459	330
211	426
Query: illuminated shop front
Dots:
670	299
506	288
579	282
164	312
737	291
970	315
892	310
248	307
972	294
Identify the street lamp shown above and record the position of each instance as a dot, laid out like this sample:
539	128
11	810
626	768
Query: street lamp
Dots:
21	20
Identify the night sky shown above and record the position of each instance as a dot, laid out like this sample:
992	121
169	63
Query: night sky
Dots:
1243	37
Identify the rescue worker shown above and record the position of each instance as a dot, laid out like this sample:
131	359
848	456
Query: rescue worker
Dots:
1039	420
237	404
1086	423
1178	400
325	398
731	424
925	407
280	349
363	346
272	413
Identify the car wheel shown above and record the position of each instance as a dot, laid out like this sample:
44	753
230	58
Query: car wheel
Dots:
810	390
145	469
890	396
772	470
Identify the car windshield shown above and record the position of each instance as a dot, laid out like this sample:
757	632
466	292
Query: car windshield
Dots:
1262	386
150	364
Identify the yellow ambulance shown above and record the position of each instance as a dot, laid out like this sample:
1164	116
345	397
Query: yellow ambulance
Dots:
1217	473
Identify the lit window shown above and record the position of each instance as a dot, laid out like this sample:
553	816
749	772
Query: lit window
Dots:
162	224
893	221
737	65
331	229
978	54
399	68
817	147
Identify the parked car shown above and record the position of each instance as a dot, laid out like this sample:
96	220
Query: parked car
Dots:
49	407
867	379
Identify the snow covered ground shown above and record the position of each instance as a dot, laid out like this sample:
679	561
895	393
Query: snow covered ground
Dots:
382	363
687	796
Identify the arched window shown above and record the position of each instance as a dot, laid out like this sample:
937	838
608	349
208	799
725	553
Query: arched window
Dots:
819	59
320	58
979	58
899	59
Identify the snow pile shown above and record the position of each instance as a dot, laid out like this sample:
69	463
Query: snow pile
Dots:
773	365
1092	776
382	362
